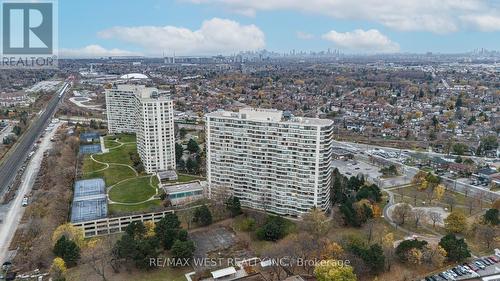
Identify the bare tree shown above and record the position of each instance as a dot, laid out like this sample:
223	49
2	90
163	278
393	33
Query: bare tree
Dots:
470	203
219	196
435	217
450	200
98	255
486	234
479	198
418	215
265	200
401	212
414	194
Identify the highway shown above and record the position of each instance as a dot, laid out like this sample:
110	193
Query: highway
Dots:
13	212
13	162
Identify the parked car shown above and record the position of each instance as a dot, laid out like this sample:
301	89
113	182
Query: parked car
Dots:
480	265
25	201
472	266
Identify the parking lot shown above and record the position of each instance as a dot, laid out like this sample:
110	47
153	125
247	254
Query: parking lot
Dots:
353	168
472	270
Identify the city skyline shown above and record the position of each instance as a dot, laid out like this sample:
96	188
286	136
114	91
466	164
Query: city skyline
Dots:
228	27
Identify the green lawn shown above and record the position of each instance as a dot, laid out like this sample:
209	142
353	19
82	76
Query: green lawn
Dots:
117	209
122	137
112	175
90	165
110	143
119	155
132	191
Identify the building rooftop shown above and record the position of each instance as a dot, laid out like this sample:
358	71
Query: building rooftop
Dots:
89	200
143	92
186	187
134	76
269	115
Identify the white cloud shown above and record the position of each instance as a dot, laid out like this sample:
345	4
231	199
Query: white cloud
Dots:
215	36
439	16
485	23
94	51
371	41
304	35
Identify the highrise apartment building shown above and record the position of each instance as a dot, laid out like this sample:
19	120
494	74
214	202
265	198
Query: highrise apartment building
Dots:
277	163
148	113
120	109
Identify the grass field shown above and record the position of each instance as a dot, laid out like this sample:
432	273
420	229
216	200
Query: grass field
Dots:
124	138
110	143
407	195
111	175
90	165
118	155
127	187
132	191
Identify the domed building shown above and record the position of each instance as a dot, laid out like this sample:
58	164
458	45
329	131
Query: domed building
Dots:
134	76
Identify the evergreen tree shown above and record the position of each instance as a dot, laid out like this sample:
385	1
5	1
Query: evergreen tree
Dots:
183	249
233	205
456	249
193	146
203	216
179	150
67	250
167	230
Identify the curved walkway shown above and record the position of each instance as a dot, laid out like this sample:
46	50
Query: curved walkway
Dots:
111	163
108	164
389	219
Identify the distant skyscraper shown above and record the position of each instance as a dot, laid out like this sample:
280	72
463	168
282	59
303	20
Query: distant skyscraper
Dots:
148	113
269	160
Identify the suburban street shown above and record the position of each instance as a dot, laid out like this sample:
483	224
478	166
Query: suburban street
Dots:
15	159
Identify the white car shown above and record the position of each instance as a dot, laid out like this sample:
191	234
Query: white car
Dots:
25	201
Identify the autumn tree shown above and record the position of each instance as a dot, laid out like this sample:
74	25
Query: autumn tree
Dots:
333	270
434	256
316	222
71	232
419	178
58	269
456	222
414	256
388	247
150	229
439	191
